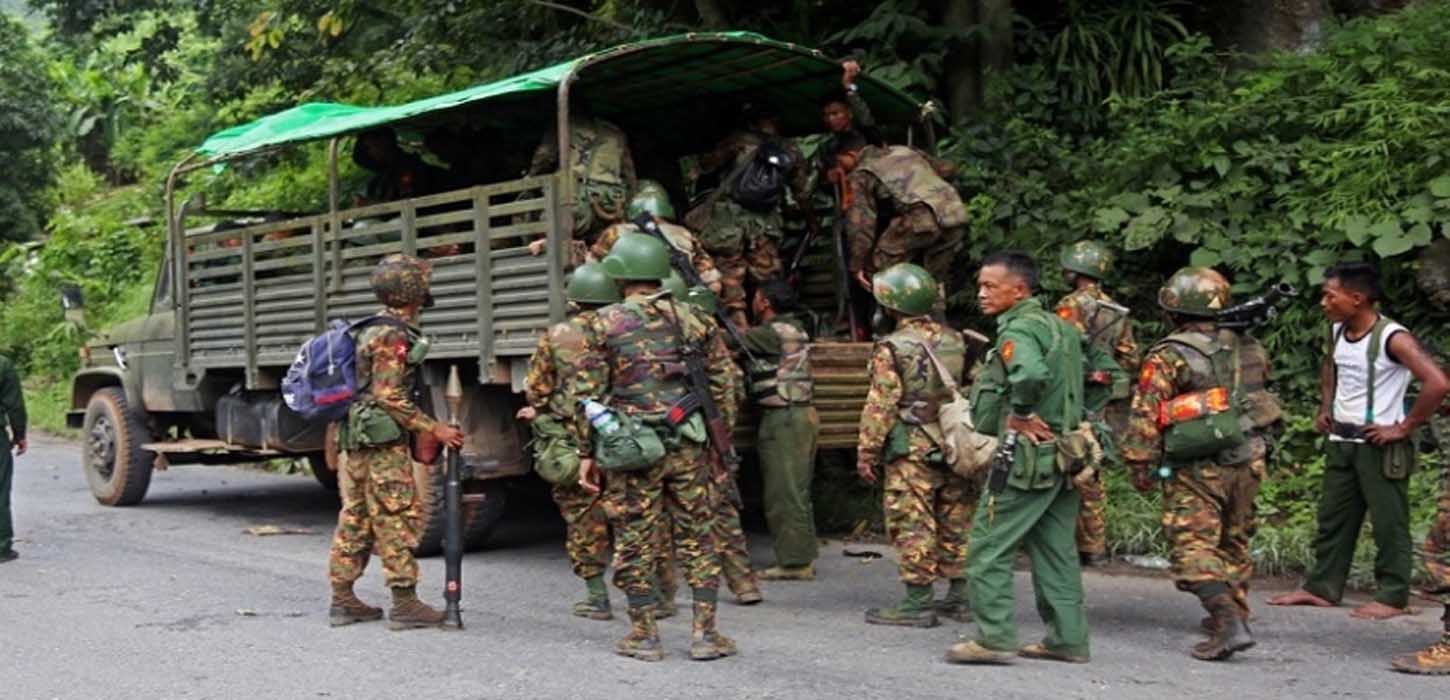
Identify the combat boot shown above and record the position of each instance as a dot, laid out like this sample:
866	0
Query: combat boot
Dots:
789	573
643	640
410	613
346	608
1433	660
706	642
747	591
595	606
954	605
1230	632
915	610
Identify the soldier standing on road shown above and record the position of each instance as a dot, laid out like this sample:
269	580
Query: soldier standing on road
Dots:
379	498
781	386
12	416
1031	385
549	393
602	167
1105	324
928	506
1363	382
640	373
1192	384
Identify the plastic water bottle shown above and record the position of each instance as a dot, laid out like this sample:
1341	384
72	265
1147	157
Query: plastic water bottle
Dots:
600	416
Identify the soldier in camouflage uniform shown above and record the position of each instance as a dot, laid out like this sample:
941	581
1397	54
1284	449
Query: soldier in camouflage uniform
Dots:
548	391
927	218
928	506
651	198
1105	324
1209	481
637	367
602	167
746	242
379	498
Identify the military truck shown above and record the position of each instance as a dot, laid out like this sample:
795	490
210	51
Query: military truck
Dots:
196	381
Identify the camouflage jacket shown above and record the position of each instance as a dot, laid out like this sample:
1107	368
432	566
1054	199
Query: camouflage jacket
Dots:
906	177
780	374
678	236
12	402
1094	314
895	376
599	153
555	366
1172	369
384	375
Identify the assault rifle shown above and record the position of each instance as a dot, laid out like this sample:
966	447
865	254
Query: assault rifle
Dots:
681	263
698	397
1257	311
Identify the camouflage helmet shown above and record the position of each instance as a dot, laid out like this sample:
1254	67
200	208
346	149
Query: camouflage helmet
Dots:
589	285
637	256
402	280
650	197
1195	291
675	285
1088	258
905	287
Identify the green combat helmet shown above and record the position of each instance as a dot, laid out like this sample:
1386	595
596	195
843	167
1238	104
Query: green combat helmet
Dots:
402	280
675	285
589	285
905	287
703	298
650	197
1088	258
1195	291
637	256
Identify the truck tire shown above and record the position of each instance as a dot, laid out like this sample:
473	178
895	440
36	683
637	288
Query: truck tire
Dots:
479	519
117	469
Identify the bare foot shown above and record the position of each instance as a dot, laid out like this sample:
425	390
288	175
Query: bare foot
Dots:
1375	610
1300	597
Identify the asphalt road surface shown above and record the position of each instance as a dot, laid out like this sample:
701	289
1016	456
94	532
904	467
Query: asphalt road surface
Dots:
171	599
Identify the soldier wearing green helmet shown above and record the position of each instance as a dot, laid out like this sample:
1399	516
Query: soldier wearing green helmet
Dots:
549	410
1105	323
928	506
1198	420
652	200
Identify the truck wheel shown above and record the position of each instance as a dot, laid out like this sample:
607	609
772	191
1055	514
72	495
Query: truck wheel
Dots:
324	463
479	519
118	470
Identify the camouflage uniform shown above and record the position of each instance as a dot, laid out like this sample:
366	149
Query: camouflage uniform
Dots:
1094	314
927	217
678	236
928	507
1437	542
602	166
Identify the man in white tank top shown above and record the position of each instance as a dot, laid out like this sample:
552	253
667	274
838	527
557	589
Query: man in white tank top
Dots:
1363	382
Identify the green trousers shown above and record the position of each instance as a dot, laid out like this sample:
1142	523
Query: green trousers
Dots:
1354	484
7	472
1045	521
787	449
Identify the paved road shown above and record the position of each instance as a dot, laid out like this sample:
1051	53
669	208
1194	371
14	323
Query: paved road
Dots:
171	600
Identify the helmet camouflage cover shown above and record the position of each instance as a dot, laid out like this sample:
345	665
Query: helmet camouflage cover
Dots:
1088	258
637	256
905	287
589	285
401	280
650	197
1195	291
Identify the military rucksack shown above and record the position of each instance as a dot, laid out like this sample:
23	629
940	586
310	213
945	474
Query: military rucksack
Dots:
759	185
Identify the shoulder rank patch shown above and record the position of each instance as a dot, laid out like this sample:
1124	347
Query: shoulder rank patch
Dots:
1009	349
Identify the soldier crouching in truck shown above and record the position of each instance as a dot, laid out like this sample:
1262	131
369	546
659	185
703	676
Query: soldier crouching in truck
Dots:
379	499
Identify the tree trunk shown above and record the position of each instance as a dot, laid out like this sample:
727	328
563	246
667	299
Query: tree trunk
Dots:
962	69
712	16
1255	26
996	19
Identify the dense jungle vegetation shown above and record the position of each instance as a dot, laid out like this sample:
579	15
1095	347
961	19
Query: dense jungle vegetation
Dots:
1267	139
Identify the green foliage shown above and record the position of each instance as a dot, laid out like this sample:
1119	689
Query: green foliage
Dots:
27	134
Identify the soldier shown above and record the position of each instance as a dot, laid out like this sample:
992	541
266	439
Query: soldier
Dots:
781	386
744	237
379	499
928	506
12	437
1105	324
1031	388
548	391
927	218
640	346
1363	383
1193	382
652	199
848	119
601	165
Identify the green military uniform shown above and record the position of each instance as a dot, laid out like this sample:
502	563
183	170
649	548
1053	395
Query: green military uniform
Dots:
1036	367
927	221
782	389
602	167
12	415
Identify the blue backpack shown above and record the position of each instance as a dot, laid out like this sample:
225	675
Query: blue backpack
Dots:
322	381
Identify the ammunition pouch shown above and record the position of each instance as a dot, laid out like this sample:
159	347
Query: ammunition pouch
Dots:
1078	450
556	455
1200	425
634	446
368	425
1399	459
686	418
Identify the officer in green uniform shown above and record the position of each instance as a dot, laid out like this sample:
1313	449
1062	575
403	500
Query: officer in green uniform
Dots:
1031	386
780	385
12	414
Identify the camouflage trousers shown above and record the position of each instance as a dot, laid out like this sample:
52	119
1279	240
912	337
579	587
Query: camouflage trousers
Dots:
379	513
1208	515
730	540
743	244
928	519
915	236
586	530
674	494
1437	544
1092	532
